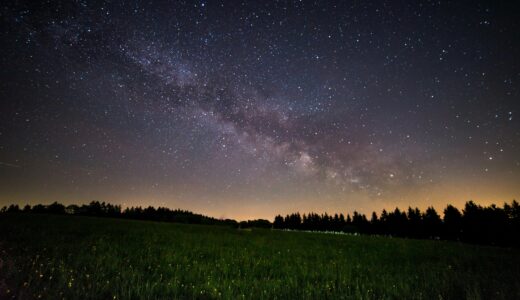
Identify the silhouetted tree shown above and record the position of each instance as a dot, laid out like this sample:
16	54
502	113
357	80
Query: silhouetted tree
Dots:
278	222
471	225
293	221
56	208
258	223
432	223
452	223
397	222
415	223
360	222
513	215
13	208
39	208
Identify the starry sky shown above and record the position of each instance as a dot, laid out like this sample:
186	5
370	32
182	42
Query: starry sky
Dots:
247	109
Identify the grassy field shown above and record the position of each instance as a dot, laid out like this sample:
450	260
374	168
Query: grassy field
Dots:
55	257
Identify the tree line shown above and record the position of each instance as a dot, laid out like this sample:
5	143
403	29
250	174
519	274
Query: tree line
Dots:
492	225
102	209
478	224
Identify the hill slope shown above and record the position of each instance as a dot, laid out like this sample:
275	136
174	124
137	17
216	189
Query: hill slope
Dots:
82	257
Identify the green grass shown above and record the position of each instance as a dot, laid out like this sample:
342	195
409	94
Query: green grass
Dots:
57	257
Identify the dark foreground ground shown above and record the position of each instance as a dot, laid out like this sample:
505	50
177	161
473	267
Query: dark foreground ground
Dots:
56	257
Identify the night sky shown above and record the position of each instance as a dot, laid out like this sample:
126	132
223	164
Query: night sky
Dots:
250	109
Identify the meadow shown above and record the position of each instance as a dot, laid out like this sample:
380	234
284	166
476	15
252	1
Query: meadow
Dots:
71	257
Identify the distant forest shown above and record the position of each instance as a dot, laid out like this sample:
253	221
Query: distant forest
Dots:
491	225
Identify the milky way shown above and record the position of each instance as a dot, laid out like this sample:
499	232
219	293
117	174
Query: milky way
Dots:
249	109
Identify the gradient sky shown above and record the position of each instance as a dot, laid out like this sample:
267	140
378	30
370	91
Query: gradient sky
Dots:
250	109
